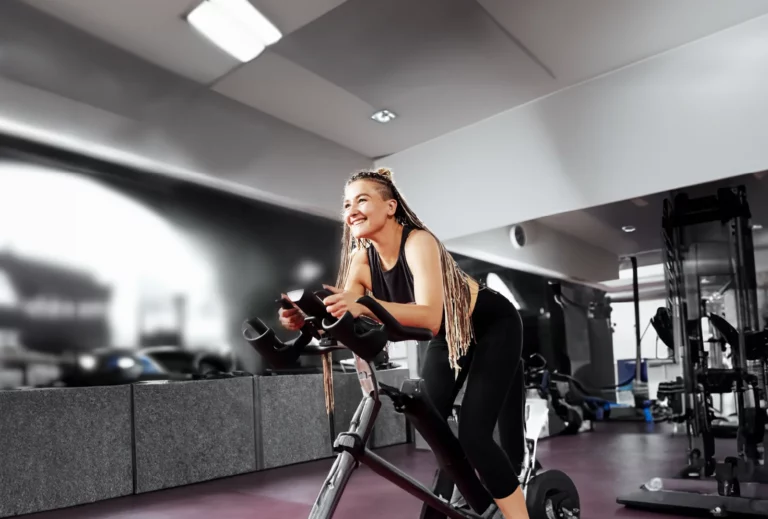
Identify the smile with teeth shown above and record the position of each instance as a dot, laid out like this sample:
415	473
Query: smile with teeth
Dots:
358	221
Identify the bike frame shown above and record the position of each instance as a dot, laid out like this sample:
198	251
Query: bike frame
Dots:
536	418
352	450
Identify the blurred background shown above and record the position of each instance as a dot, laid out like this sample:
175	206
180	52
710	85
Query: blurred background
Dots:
156	188
105	270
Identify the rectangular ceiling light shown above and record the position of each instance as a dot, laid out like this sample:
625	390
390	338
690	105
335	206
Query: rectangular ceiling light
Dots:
235	26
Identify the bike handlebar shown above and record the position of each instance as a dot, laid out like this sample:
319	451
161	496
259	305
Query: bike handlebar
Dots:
396	331
362	336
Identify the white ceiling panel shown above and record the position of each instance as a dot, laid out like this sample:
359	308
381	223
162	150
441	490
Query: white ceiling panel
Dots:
281	88
438	64
690	115
290	15
157	31
580	40
154	30
588	227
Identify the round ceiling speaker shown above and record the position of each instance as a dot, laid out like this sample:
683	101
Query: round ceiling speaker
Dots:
518	236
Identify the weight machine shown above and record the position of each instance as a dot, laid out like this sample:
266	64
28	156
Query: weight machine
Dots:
708	241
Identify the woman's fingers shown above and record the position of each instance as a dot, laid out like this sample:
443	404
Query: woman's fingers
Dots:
332	300
337	309
291	319
289	313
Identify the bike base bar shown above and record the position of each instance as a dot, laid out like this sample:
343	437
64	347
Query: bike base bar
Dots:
388	471
345	464
330	495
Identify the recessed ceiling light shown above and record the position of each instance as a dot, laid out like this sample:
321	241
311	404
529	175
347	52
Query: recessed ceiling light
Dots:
628	228
756	226
383	116
235	26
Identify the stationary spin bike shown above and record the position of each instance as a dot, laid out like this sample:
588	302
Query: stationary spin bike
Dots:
549	494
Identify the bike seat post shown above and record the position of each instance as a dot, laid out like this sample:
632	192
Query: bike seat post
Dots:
366	375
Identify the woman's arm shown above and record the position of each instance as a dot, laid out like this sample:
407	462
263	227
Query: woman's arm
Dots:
423	256
359	278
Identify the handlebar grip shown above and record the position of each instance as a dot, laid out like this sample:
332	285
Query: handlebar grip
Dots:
311	304
395	330
363	340
277	353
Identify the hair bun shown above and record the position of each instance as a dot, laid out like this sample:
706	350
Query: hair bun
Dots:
385	172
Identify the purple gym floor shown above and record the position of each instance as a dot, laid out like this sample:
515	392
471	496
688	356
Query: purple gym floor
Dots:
613	459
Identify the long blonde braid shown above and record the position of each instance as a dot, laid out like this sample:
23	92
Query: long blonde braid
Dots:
456	291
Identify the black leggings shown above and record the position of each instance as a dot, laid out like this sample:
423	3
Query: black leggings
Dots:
495	391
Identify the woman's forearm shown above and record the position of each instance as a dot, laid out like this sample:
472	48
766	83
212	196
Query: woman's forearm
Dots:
417	316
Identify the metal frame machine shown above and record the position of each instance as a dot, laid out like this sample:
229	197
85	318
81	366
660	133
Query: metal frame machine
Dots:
709	256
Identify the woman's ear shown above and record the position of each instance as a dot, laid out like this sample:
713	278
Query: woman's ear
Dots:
391	207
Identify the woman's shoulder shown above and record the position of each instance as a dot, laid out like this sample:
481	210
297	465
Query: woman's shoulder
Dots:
420	236
360	256
419	241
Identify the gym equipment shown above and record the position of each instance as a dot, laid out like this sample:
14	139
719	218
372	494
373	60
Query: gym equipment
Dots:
548	386
112	366
548	492
575	403
593	406
673	393
692	252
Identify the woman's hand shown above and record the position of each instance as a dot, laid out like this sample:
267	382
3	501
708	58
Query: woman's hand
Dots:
342	302
291	319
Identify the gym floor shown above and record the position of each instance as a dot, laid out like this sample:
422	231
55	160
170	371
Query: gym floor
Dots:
613	459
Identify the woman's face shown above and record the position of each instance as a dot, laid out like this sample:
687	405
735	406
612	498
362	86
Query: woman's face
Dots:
365	211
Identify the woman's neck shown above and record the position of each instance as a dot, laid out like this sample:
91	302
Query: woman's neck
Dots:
387	243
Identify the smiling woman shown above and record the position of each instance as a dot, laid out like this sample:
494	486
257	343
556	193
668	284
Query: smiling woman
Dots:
390	254
372	205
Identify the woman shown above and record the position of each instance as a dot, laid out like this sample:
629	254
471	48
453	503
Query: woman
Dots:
477	332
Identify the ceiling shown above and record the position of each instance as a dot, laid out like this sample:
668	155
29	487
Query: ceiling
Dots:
601	225
439	64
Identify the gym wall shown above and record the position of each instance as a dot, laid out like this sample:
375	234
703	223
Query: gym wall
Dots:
95	257
572	340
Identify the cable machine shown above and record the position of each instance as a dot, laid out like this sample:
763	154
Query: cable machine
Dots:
709	239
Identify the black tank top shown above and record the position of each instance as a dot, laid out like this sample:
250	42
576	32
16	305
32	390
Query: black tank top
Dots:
396	284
